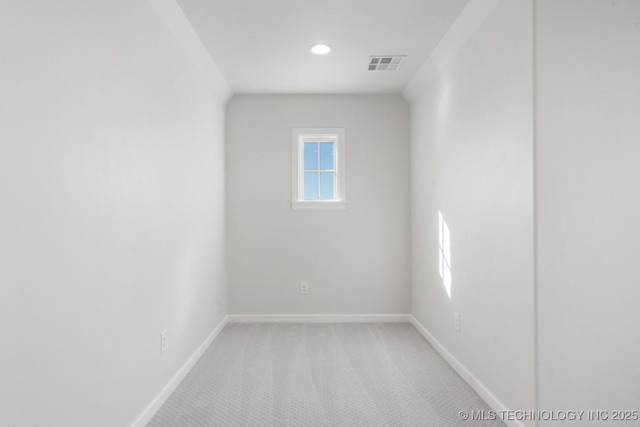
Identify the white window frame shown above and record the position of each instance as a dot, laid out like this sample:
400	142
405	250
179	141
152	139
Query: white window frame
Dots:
298	137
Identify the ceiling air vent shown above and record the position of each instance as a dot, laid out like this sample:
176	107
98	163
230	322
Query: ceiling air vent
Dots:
385	62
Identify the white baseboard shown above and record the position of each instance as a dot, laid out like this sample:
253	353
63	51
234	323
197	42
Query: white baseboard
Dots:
318	318
482	390
166	391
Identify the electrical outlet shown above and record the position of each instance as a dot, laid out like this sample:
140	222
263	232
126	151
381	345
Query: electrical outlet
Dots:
163	341
456	321
304	288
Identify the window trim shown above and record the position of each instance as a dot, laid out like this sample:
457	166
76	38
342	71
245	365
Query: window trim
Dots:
298	138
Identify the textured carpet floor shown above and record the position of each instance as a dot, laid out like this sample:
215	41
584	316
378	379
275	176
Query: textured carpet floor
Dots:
305	374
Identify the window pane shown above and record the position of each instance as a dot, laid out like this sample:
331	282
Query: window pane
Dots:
326	186
326	155
311	185
310	156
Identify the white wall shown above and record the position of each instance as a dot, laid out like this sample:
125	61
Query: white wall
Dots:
588	204
471	159
111	211
356	261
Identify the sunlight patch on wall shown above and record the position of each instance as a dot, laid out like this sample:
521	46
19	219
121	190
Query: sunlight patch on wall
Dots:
445	253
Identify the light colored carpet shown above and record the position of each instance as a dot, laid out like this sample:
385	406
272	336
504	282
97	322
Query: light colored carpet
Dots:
306	374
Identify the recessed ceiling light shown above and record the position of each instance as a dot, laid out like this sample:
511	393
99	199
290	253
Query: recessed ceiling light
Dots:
320	49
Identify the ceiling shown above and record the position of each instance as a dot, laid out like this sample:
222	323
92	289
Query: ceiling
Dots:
262	46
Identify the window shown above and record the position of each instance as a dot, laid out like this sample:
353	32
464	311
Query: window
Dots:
318	181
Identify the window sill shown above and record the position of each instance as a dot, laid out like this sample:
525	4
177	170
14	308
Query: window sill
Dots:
319	206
